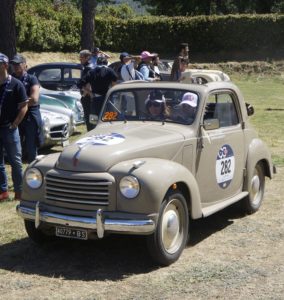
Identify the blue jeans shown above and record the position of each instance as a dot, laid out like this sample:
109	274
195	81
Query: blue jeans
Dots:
29	132
10	141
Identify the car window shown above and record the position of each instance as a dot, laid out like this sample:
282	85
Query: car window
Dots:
71	74
168	105
50	75
222	107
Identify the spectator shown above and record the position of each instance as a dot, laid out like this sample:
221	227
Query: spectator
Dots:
128	68
97	53
145	66
183	64
85	58
182	55
31	126
13	107
97	82
155	66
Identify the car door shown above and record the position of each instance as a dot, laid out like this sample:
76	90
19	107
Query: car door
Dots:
220	156
50	78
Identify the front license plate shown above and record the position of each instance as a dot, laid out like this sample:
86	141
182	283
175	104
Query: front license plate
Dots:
71	233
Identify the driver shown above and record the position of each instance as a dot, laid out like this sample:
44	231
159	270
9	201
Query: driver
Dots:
186	109
156	106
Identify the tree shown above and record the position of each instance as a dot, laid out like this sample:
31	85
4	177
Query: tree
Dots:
8	28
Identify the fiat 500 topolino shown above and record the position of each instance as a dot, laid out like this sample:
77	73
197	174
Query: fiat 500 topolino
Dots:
139	173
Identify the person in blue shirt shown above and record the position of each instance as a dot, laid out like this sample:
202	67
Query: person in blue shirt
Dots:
13	107
145	66
31	126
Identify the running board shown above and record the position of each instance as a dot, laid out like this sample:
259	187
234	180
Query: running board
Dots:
209	210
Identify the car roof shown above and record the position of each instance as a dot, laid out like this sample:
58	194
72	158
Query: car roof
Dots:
57	64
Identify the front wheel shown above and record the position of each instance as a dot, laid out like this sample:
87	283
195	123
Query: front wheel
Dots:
166	244
252	202
36	235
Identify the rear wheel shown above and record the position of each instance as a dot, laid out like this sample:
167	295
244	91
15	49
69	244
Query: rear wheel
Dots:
166	244
36	235
253	201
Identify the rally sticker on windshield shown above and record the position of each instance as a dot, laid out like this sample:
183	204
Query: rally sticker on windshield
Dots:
102	139
225	166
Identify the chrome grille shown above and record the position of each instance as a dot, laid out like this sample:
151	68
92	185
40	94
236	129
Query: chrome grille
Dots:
63	191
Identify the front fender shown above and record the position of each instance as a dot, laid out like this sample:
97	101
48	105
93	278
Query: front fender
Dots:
156	177
258	152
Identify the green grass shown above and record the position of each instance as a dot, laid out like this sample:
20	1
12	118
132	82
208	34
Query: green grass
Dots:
267	97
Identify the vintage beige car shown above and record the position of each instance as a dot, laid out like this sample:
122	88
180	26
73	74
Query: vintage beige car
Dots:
162	154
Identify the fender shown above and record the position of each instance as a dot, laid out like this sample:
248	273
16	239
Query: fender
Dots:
257	151
156	177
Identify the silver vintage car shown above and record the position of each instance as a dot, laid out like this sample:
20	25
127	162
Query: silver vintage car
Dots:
161	155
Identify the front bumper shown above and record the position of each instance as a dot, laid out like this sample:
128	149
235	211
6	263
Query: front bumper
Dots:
100	223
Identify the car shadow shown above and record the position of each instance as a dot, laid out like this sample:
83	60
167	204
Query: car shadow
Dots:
112	258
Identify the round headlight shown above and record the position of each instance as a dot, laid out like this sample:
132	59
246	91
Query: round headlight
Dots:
129	186
33	178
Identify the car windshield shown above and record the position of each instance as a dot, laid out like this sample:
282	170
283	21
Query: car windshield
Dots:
167	105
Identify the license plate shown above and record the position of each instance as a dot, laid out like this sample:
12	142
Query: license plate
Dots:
71	233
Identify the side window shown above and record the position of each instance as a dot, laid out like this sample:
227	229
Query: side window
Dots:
50	75
71	74
221	106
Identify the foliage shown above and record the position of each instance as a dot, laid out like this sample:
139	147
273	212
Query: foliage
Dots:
209	7
122	11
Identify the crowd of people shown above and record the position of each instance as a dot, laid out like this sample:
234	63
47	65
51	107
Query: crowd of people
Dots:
20	119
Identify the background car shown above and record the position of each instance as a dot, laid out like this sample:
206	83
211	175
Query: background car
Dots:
59	76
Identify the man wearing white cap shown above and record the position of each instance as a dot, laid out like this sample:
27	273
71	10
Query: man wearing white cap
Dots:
187	108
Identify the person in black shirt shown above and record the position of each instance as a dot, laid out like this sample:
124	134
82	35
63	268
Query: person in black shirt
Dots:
97	82
85	58
13	107
31	126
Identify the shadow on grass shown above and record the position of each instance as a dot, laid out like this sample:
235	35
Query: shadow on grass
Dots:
112	258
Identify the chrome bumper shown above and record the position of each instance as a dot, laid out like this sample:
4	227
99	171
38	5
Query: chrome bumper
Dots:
100	223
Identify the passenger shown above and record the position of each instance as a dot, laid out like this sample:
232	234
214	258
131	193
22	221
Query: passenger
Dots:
31	126
85	58
183	54
145	66
185	111
156	106
128	69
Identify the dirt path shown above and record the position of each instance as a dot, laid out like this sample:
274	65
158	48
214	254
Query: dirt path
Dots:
230	256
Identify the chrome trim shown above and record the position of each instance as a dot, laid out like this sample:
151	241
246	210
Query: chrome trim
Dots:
99	223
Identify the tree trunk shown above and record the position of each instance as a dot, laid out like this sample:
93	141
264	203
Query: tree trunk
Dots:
8	28
88	24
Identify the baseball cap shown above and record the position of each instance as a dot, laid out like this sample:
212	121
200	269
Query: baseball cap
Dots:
155	96
4	58
124	55
190	99
96	49
146	54
18	59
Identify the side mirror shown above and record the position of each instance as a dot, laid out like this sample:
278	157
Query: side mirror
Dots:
250	109
210	124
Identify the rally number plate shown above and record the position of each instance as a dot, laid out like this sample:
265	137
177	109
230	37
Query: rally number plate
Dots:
71	233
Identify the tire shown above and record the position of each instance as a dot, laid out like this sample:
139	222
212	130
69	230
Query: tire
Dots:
252	202
166	244
36	235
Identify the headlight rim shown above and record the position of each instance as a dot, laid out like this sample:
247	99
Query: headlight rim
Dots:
135	180
36	170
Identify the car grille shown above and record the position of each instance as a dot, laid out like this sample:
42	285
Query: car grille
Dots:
61	131
77	193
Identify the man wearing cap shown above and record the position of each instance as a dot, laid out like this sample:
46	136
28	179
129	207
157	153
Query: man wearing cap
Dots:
155	105
186	110
97	53
31	126
128	71
85	58
13	107
144	66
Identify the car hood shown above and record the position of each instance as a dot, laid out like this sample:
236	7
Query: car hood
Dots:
103	147
53	118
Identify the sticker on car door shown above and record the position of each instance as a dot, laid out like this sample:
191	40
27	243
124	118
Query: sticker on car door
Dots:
225	166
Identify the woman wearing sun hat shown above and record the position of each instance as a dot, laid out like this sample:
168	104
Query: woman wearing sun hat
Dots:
145	66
